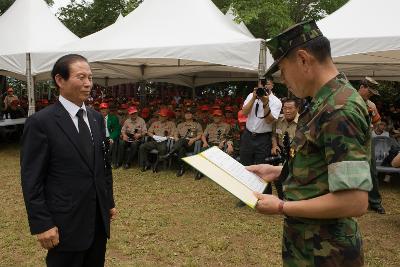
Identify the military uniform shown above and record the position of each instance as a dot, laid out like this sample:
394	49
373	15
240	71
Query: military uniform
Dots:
128	149
281	126
185	131
279	129
158	128
217	133
337	125
329	153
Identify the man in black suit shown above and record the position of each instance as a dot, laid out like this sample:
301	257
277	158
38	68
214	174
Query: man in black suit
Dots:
66	178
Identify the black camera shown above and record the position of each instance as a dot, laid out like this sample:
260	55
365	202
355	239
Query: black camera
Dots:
260	92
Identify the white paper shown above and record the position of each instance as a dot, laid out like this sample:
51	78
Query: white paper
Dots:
235	169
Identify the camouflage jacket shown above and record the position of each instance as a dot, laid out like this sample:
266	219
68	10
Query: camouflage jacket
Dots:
331	148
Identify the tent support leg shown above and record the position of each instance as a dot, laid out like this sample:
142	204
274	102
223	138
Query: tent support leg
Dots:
262	65
30	85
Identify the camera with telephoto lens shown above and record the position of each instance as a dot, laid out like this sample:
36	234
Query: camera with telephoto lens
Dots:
275	160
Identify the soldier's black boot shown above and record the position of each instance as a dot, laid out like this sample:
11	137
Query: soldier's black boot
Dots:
199	175
181	171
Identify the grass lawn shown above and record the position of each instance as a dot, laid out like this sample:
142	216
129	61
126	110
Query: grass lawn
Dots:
168	221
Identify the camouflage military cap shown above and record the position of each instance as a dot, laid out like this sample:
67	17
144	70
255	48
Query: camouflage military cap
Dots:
371	84
281	45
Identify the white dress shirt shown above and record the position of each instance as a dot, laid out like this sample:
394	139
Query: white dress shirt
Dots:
254	123
73	110
105	122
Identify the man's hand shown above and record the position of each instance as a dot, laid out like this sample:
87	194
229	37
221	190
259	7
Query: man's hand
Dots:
191	141
125	137
49	239
229	149
113	214
254	93
267	204
275	150
111	141
137	136
205	145
265	99
267	172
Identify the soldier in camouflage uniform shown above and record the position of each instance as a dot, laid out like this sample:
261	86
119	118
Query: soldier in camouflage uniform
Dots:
368	88
187	133
328	163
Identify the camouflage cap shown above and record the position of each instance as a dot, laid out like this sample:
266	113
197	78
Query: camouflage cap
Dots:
281	45
371	84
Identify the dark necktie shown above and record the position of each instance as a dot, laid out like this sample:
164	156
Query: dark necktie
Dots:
85	138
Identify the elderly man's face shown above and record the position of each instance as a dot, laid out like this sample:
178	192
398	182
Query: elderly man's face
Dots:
289	111
104	112
77	88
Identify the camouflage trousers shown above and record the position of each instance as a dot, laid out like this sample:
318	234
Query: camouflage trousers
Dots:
308	244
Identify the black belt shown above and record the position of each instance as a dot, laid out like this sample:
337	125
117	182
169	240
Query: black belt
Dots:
258	134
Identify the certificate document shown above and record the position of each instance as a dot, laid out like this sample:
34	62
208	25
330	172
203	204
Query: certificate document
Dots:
228	173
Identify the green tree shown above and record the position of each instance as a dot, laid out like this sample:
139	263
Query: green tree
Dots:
5	4
266	18
87	17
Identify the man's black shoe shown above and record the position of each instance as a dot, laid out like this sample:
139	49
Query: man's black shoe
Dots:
378	209
199	175
116	166
126	166
180	172
145	168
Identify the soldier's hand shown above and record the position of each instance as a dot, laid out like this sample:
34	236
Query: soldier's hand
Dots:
137	136
275	150
229	150
267	172
267	204
191	141
205	145
49	239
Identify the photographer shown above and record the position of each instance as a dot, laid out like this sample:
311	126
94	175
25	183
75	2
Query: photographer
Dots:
262	108
132	133
286	124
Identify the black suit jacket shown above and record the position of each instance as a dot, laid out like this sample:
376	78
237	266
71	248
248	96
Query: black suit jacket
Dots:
59	185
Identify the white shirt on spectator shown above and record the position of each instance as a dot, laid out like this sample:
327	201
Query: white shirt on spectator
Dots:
254	123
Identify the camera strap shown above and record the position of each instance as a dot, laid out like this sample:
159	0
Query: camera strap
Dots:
257	106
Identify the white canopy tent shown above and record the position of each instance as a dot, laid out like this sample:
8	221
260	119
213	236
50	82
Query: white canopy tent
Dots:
29	26
188	42
365	38
241	26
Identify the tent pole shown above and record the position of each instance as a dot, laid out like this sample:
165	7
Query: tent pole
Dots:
262	65
30	85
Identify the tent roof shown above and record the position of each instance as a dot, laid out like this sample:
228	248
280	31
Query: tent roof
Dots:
365	38
29	26
161	38
241	26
